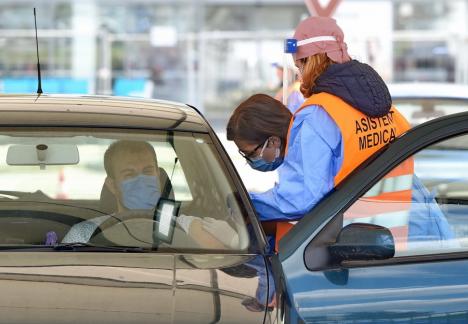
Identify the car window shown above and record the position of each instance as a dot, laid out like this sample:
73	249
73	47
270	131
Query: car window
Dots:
153	190
418	111
423	201
60	181
167	160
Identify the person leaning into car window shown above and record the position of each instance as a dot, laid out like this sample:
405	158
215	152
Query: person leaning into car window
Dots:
132	178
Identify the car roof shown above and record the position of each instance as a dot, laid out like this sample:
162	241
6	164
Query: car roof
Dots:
428	90
99	111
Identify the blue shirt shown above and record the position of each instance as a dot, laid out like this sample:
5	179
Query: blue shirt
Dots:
315	155
295	100
426	221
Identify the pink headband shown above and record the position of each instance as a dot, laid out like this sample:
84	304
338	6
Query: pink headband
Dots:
320	35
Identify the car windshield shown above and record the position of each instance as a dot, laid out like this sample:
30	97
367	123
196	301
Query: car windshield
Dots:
155	190
420	110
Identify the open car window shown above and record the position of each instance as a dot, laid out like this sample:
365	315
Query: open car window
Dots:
58	187
423	201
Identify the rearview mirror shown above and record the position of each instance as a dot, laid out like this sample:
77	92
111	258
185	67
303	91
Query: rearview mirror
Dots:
362	242
43	154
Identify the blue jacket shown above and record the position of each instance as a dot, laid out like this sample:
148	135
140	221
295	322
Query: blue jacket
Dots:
426	221
315	155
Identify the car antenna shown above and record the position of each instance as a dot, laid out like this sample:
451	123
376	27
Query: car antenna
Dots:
39	85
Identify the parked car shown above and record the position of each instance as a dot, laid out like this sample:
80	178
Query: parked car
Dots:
144	266
423	101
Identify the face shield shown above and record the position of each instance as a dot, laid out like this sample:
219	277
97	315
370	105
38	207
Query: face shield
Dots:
291	46
289	73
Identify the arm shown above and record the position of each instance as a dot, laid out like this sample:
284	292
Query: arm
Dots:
427	222
202	237
208	232
308	171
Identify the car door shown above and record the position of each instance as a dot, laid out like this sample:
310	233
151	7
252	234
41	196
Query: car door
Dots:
339	263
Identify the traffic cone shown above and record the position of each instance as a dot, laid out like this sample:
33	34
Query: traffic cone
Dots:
60	188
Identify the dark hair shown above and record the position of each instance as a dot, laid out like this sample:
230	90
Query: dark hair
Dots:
258	118
125	146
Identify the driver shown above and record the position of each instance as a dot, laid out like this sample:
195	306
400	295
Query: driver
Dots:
132	177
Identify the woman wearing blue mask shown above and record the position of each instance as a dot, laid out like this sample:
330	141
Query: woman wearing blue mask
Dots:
259	127
270	131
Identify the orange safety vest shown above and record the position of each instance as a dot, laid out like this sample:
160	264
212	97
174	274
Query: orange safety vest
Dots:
362	137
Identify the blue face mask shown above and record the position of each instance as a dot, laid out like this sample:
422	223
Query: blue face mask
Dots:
261	165
140	192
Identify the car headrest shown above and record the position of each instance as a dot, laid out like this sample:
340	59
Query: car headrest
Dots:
108	202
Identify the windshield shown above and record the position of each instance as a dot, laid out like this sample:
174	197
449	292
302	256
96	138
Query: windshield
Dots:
155	190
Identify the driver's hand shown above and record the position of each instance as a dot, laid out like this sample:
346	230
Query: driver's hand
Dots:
222	231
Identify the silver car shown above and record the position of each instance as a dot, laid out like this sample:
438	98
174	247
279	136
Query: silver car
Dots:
71	252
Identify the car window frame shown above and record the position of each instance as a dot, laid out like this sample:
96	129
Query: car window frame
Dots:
312	226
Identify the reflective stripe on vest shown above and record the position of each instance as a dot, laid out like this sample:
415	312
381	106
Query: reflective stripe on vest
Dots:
362	136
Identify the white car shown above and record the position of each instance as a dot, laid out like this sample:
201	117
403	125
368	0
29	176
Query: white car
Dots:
420	102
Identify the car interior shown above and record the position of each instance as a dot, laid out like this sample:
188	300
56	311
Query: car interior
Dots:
53	180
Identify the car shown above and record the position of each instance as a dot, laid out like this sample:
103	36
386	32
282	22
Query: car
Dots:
422	280
53	175
423	101
58	173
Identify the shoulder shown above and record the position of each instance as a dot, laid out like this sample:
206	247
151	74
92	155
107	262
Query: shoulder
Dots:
316	119
81	231
313	127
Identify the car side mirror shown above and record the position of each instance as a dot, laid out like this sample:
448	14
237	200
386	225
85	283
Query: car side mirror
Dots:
362	242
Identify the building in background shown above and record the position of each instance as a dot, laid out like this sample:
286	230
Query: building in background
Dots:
214	53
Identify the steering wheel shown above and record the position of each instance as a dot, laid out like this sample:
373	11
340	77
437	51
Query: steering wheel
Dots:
136	228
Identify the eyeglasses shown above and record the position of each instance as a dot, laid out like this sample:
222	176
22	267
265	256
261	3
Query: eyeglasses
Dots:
249	155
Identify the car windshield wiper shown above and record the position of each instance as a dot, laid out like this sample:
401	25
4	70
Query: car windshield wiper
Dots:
88	247
75	247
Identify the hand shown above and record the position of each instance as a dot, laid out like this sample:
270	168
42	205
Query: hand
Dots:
222	231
